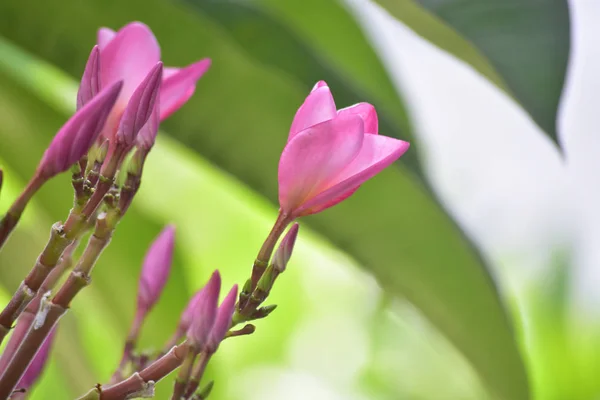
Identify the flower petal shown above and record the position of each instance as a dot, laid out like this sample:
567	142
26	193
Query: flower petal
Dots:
377	153
129	57
105	35
318	107
179	85
367	112
314	157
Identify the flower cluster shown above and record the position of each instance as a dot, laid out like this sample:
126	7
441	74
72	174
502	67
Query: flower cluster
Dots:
124	94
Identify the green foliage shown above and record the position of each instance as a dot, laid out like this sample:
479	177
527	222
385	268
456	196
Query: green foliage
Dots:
520	45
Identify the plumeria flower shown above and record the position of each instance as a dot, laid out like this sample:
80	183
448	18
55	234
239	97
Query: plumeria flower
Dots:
330	153
129	55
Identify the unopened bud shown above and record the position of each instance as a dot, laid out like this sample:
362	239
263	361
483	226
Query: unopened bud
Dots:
223	320
136	163
264	311
205	392
205	311
286	247
90	81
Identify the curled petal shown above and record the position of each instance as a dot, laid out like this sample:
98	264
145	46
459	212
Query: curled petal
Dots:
179	85
156	268
140	106
90	81
129	56
105	35
318	107
367	112
377	153
76	137
316	156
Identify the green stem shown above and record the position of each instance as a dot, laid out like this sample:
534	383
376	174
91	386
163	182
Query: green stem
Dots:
197	374
184	374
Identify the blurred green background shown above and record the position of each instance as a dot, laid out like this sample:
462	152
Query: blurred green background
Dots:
385	298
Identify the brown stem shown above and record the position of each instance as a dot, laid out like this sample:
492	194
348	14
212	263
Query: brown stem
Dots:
27	316
264	255
47	317
197	374
130	343
153	373
10	220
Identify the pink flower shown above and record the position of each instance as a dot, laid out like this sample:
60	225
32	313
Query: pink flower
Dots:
78	134
330	153
155	270
129	55
90	81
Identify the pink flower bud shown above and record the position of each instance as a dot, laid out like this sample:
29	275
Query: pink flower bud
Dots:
140	107
284	251
36	367
90	81
205	312
147	136
76	137
330	153
187	315
156	268
223	320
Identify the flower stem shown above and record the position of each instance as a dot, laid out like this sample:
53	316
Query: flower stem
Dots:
138	382
184	374
10	220
264	255
197	374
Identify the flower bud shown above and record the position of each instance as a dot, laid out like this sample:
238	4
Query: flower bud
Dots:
284	251
223	320
205	312
76	137
140	107
156	268
90	81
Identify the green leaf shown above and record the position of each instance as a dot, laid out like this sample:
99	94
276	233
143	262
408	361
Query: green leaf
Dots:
239	120
520	45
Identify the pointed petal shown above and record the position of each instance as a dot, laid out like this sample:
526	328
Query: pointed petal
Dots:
223	320
314	157
367	112
318	107
140	107
205	312
147	136
179	86
377	153
156	268
129	56
90	81
188	314
104	37
78	134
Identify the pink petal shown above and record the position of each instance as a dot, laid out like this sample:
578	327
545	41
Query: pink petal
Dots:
223	320
377	153
129	56
286	247
179	86
156	268
105	35
314	157
367	112
90	81
318	107
205	312
169	72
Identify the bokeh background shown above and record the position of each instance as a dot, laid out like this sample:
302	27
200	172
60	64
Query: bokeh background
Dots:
468	270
